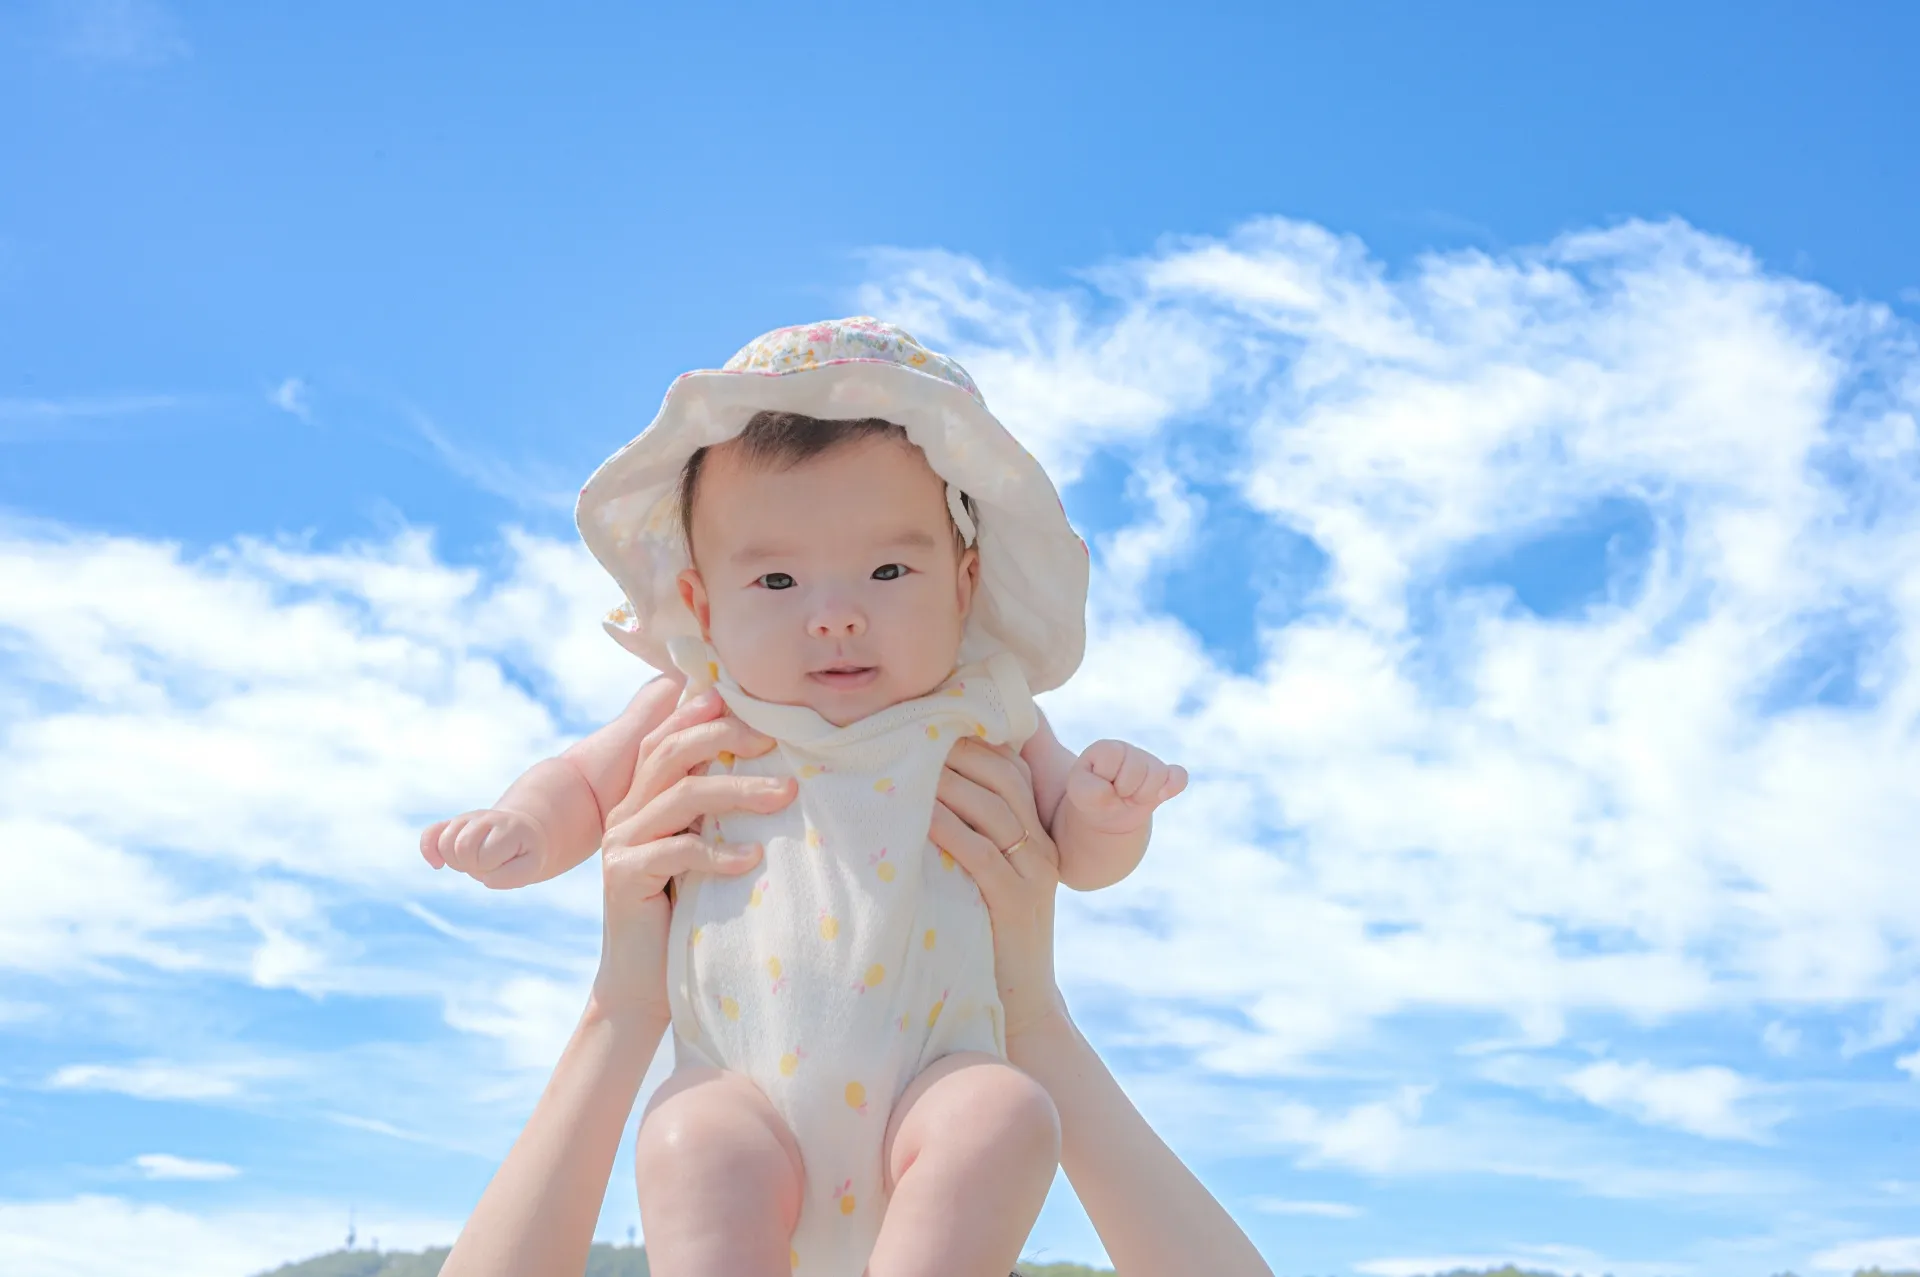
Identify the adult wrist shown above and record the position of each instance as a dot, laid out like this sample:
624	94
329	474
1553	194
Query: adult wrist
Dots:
1053	1022
633	1022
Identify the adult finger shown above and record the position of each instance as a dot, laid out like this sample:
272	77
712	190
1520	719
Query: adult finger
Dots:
1001	770
691	797
635	873
679	753
980	808
698	709
991	871
647	779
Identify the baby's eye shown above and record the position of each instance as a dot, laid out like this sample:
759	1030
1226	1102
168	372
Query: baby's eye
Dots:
889	571
775	581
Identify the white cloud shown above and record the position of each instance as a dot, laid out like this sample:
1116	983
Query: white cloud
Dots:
161	1080
529	485
54	410
1572	1260
529	1016
95	1236
1320	1210
1890	1254
1373	1136
1780	1038
140	33
1910	1063
167	1166
293	396
291	716
1428	796
25	419
1424	799
1709	1100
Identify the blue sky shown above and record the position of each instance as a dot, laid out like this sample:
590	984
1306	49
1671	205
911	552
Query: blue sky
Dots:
1495	430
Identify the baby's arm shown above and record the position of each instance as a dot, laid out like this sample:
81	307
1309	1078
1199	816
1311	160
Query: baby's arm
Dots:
1098	806
554	816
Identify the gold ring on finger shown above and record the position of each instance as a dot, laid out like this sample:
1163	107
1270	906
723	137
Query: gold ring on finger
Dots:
1018	843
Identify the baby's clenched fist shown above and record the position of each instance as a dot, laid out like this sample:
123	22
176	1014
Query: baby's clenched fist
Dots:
1116	786
500	849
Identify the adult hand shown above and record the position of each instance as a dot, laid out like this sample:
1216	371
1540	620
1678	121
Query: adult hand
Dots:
653	835
985	818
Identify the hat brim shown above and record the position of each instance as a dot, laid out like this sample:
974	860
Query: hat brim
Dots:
1031	600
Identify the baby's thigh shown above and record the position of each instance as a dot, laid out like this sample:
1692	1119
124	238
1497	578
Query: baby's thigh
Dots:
974	1107
711	1148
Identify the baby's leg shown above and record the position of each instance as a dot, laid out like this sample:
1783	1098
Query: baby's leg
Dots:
971	1149
719	1176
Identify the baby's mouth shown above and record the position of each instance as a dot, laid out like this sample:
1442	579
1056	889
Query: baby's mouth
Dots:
844	677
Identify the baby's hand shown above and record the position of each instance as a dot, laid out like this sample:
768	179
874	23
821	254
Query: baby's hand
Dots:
500	849
1116	786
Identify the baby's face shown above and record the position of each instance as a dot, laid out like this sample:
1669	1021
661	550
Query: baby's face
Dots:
836	584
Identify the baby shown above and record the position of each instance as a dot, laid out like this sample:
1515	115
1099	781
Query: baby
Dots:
836	534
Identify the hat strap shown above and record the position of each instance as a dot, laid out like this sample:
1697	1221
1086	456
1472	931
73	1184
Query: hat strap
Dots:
957	507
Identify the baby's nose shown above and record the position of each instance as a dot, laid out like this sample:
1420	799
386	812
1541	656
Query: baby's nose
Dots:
837	620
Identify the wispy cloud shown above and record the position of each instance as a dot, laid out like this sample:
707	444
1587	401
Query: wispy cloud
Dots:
1321	1210
167	1166
137	33
1888	1254
85	408
1710	1101
163	1080
531	486
293	396
1780	1038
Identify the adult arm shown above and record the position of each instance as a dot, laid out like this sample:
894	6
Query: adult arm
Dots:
538	1212
1152	1213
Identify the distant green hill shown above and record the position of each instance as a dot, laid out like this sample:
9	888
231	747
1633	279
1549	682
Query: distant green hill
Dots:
631	1261
602	1261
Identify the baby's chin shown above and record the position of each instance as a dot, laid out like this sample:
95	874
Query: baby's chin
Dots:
843	701
846	701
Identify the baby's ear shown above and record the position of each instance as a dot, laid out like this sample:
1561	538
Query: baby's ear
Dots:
693	593
968	579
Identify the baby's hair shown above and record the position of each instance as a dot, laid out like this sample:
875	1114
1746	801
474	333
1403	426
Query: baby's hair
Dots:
783	440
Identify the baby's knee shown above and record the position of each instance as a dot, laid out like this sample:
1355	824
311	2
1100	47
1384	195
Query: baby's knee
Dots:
1016	1113
717	1130
979	1109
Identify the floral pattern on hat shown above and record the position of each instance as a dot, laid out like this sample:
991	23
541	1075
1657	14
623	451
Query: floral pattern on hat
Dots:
859	339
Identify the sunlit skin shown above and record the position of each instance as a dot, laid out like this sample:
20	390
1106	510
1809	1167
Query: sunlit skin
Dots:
837	584
538	1213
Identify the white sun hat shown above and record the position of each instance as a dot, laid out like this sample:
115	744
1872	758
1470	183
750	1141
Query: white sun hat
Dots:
1032	596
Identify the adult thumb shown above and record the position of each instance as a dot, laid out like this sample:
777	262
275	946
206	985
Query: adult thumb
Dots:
728	859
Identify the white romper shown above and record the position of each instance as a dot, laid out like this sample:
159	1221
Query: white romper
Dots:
857	953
